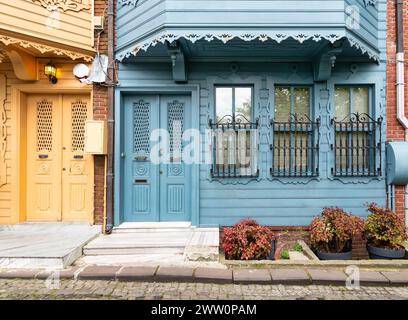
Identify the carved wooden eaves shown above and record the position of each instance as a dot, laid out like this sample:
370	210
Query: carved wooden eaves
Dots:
41	48
65	5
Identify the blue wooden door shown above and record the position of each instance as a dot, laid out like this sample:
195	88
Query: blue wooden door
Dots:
156	183
175	175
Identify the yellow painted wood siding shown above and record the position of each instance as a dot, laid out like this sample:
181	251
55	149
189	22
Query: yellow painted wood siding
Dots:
5	191
31	19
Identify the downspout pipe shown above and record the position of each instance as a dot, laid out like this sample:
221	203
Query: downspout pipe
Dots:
400	70
111	119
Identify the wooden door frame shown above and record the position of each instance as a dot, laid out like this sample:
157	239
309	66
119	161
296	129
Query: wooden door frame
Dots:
135	89
18	143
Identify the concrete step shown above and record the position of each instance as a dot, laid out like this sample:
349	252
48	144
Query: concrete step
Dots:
148	259
115	251
139	243
150	230
145	227
44	245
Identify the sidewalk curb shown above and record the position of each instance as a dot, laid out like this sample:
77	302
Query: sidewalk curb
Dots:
278	276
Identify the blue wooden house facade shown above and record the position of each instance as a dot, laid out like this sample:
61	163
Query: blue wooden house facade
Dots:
285	99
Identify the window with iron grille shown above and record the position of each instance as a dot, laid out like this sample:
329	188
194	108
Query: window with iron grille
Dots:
235	134
357	143
295	146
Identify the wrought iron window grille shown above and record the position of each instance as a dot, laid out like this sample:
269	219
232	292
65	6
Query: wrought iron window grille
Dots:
357	146
227	135
295	147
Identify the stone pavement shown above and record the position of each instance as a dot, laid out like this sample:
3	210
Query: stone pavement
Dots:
272	276
116	290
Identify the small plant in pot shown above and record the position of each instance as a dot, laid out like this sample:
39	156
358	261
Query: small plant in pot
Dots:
332	233
385	233
247	240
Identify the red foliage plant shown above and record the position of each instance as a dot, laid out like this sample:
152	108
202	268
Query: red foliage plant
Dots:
384	229
330	232
247	240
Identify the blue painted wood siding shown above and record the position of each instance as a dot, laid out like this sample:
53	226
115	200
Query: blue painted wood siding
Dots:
284	202
150	16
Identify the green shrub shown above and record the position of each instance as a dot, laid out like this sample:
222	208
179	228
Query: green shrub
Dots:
247	240
384	229
331	232
285	255
297	247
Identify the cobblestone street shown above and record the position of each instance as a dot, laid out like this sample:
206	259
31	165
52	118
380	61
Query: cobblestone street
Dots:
69	289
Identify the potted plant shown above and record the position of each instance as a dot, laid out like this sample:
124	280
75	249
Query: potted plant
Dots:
247	240
331	234
385	233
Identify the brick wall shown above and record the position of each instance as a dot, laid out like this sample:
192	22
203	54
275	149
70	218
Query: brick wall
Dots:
100	105
395	132
287	237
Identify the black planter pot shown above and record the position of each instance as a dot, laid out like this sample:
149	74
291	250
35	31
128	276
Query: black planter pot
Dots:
273	250
345	255
334	256
382	253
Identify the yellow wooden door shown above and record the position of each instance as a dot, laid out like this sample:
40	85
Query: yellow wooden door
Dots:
77	167
59	174
44	158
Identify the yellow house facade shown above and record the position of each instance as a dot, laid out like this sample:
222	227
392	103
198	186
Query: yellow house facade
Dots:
45	174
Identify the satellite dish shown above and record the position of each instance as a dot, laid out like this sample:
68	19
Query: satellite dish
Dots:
81	71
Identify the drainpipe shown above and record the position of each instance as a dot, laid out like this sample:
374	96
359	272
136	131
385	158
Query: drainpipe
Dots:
111	118
400	69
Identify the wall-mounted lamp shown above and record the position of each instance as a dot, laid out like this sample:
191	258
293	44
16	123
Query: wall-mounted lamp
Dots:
51	72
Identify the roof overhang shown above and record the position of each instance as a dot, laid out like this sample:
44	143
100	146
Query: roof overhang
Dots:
41	49
170	35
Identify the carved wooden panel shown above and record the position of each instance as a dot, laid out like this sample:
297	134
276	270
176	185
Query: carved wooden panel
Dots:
44	125
3	131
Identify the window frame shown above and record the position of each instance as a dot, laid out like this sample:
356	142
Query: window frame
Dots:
313	158
372	162
251	125
233	87
351	95
292	97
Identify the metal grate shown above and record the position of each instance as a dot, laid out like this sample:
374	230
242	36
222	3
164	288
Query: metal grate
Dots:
79	111
141	128
357	146
176	128
235	147
44	125
295	147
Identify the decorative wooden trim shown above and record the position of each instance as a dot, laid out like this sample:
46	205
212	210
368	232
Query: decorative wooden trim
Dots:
3	130
370	3
128	2
226	36
6	40
65	5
